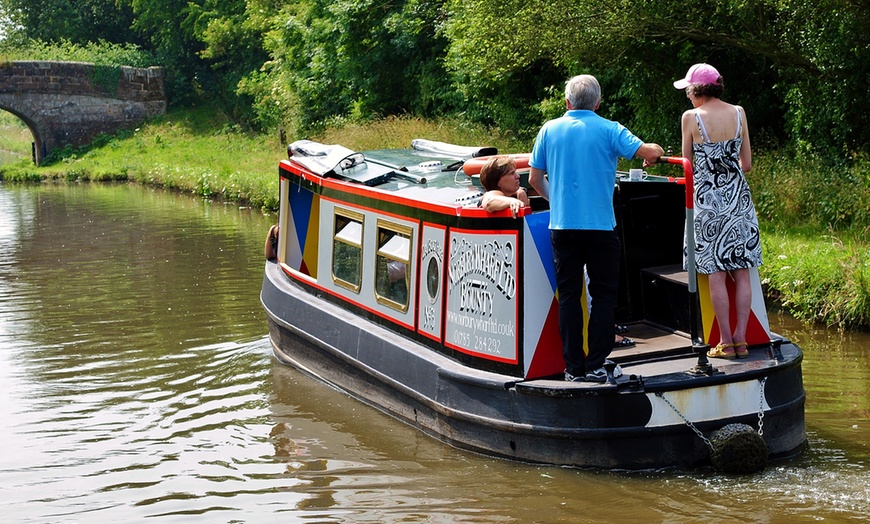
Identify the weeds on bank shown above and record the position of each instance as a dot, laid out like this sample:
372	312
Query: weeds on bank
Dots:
819	278
398	132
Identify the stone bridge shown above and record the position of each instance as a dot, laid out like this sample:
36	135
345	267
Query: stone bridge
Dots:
69	103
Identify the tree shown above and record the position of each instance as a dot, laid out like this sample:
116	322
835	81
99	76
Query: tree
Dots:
801	68
76	21
356	58
827	99
780	58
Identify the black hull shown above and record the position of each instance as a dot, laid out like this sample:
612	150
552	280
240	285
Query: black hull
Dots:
539	421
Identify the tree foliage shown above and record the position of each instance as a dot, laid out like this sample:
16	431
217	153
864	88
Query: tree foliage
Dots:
79	21
100	53
799	67
354	58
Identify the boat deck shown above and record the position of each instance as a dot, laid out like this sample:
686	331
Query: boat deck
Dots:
652	341
664	355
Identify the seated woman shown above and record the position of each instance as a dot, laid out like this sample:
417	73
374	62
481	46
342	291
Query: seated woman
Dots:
502	183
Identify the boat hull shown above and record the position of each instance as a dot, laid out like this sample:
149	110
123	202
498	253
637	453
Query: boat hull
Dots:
640	423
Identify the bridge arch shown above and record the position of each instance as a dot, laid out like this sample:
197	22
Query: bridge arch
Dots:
69	103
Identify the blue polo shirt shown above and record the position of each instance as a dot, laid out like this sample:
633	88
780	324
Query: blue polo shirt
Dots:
579	152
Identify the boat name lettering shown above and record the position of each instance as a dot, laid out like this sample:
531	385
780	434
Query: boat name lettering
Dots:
493	260
475	298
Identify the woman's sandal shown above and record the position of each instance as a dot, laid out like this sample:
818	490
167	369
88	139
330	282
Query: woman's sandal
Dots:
625	342
719	351
741	350
621	329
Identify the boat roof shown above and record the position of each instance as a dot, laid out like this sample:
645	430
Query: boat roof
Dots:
428	170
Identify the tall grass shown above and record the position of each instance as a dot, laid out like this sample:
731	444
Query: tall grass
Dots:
103	53
814	192
397	132
15	136
819	278
815	214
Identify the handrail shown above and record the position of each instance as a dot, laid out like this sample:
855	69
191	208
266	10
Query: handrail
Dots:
687	172
691	268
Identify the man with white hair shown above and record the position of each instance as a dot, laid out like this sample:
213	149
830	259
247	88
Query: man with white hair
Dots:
579	152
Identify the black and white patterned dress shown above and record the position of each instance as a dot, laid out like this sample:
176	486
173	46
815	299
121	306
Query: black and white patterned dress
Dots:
726	226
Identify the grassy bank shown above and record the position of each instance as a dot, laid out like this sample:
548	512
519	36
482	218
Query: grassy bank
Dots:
814	217
194	151
819	277
200	152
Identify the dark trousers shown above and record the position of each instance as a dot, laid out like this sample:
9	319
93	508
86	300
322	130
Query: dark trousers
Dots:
599	252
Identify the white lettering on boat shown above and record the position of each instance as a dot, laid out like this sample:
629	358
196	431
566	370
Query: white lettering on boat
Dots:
481	311
432	253
492	260
430	316
474	298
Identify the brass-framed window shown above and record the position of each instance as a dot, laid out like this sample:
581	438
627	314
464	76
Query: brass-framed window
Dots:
393	265
347	249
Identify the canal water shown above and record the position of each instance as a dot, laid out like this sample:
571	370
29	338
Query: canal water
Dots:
136	382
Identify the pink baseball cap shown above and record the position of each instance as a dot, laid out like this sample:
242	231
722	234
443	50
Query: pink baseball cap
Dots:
699	74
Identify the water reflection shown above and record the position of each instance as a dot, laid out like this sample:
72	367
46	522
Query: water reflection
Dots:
138	383
125	315
837	379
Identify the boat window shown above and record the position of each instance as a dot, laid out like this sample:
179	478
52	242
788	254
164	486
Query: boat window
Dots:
347	249
433	280
393	265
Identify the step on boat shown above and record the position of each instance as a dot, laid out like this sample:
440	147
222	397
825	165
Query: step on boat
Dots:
392	284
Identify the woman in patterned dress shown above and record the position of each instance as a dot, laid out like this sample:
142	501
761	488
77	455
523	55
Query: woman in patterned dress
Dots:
727	242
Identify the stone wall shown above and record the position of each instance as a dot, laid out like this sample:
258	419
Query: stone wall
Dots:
69	103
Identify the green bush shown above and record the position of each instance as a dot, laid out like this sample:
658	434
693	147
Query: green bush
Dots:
101	53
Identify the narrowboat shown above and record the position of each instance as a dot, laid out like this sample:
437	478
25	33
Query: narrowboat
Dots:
393	285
